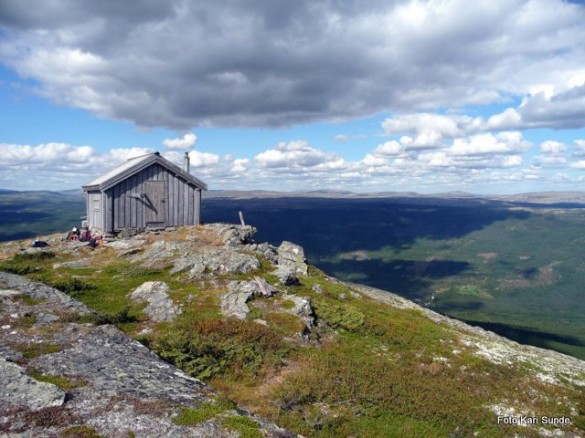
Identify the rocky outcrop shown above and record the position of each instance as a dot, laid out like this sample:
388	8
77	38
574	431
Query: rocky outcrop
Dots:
103	380
233	303
218	260
292	257
184	256
234	236
291	263
160	306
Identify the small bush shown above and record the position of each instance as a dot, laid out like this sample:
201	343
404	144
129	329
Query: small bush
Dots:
72	286
122	316
215	346
34	256
25	263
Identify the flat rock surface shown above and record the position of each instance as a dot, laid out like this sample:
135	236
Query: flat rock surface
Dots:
64	374
19	389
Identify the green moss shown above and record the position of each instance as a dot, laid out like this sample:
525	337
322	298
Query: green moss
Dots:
207	411
35	349
83	431
288	304
30	301
255	313
62	382
246	427
26	321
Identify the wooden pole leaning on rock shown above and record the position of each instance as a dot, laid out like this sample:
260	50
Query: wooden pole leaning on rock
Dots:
242	218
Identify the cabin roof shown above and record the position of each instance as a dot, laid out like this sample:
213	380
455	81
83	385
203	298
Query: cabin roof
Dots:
133	166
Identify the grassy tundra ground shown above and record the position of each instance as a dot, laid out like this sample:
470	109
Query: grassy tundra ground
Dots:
366	369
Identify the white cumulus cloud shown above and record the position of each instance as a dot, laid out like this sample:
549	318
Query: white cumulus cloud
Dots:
483	144
186	142
293	154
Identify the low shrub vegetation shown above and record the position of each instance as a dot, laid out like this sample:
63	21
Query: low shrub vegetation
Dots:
26	263
219	346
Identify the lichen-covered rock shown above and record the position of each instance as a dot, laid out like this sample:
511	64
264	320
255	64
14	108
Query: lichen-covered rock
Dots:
116	364
268	251
239	293
263	288
38	291
17	389
218	260
317	288
234	236
44	319
287	276
233	304
292	256
160	306
79	263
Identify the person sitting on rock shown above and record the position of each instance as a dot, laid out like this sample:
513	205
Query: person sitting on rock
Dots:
85	236
74	234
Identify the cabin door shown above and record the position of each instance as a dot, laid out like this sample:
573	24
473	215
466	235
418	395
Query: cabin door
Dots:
155	204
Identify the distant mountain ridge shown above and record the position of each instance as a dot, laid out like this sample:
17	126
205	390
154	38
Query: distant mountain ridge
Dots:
530	197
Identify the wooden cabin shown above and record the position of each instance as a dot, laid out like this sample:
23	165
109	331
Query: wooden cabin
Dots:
144	192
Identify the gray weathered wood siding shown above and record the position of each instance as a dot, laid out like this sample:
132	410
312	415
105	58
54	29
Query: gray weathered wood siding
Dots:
96	211
126	209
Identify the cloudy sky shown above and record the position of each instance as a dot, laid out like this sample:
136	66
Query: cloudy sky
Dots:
364	95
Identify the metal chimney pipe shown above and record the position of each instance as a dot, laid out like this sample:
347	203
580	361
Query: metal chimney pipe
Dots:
187	162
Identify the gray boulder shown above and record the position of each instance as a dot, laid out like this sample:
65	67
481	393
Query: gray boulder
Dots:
292	257
270	252
72	264
287	276
239	293
160	307
20	390
233	304
263	287
234	236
